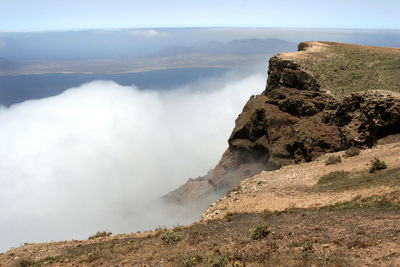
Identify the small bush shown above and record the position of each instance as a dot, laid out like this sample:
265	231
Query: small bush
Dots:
352	152
265	214
190	259
100	234
235	189
333	160
170	237
308	247
161	228
260	231
377	165
333	177
229	216
217	260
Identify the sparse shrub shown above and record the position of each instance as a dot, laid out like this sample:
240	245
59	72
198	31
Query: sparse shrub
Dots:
23	263
333	177
188	259
308	247
235	189
100	234
333	160
170	237
161	228
92	256
265	214
229	216
377	165
343	205
217	260
260	231
352	152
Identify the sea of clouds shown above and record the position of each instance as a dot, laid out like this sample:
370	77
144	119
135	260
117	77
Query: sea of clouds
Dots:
98	157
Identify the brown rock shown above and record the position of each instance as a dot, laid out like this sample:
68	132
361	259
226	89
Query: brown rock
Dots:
302	115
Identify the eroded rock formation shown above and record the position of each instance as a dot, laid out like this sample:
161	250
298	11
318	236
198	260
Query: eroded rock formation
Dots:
302	115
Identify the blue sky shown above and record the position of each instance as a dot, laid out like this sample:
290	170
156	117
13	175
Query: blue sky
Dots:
34	15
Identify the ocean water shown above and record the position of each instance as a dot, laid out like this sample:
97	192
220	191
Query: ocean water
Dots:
19	88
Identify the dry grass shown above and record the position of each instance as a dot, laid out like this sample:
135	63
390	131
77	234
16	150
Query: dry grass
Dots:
341	180
345	68
338	235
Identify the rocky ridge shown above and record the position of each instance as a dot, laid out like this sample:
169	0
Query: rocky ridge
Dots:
324	98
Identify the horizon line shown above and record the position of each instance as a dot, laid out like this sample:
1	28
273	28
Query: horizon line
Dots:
199	27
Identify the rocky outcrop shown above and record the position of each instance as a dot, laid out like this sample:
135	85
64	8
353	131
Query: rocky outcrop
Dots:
301	116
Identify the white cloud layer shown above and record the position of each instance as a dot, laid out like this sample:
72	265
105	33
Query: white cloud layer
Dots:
149	33
98	156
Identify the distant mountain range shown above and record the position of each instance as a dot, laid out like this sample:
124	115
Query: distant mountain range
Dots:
235	47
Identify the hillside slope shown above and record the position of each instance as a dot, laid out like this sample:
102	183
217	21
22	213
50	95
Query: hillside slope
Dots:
350	222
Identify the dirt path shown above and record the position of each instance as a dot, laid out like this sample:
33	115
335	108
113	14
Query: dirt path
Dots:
290	186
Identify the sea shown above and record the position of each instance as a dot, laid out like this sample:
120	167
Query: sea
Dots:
19	88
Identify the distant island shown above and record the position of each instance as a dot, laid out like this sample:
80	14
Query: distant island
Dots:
210	55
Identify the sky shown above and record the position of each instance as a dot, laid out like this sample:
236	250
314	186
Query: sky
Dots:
40	15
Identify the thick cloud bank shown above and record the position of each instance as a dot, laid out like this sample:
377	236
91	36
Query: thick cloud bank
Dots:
96	157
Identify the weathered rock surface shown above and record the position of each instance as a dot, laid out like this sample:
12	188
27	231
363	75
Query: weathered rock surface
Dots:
301	116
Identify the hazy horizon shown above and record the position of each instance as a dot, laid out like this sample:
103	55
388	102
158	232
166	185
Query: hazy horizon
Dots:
59	15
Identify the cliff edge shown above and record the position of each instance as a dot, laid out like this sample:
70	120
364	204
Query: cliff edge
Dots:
326	97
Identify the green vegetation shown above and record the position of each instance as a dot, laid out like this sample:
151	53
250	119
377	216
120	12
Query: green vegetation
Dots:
100	234
352	152
333	160
265	214
217	259
344	68
192	258
170	237
377	165
341	180
260	231
333	177
371	202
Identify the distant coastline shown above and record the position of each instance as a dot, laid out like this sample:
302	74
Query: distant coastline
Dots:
18	88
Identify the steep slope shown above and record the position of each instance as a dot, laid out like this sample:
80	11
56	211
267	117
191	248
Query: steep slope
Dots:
324	98
299	185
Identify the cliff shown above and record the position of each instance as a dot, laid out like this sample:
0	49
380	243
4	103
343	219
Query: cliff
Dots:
325	97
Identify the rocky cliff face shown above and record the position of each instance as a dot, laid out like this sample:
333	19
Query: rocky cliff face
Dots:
306	110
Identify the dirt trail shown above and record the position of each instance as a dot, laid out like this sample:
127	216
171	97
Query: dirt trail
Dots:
289	187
